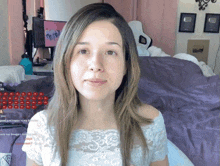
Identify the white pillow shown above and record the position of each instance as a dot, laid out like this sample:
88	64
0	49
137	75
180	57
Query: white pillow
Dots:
13	74
188	57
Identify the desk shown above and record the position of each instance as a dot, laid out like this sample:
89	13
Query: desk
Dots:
43	70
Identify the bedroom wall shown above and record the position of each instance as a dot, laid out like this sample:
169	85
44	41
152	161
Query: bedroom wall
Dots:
159	20
66	8
16	31
11	33
189	6
12	37
157	16
4	53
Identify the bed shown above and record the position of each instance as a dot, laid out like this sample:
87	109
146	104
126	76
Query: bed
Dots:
188	101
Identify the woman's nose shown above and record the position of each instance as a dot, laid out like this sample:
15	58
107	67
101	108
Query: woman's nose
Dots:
96	63
95	68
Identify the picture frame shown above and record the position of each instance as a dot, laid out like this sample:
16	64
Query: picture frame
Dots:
187	22
212	23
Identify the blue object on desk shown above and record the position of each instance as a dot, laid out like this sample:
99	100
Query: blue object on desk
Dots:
27	64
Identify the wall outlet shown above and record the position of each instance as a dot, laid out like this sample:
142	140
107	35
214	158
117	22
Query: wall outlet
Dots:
199	49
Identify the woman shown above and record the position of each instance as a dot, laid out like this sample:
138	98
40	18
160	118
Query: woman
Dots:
95	116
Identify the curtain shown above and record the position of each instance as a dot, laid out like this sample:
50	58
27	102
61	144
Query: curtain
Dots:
127	8
157	16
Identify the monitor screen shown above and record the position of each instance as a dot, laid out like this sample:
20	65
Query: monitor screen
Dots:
52	31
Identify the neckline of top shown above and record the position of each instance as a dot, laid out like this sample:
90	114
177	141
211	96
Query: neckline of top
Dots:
115	130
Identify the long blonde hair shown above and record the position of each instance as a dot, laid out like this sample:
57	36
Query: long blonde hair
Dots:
63	107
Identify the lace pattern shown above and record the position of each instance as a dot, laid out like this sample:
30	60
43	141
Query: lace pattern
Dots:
93	148
34	139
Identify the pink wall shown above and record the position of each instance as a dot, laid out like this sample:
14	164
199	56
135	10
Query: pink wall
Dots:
16	26
157	16
16	35
159	20
125	7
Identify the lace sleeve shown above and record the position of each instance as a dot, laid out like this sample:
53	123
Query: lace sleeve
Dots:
160	149
34	138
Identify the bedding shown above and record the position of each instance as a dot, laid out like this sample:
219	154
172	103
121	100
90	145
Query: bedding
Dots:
154	51
188	101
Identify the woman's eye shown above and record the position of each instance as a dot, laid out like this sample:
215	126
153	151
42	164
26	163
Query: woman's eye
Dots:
111	52
82	51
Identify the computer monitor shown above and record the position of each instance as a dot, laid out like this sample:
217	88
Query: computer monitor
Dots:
46	33
52	31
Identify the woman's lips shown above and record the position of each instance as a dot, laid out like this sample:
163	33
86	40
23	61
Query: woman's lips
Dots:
95	79
96	83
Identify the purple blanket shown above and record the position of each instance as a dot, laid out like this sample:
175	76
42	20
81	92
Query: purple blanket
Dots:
189	102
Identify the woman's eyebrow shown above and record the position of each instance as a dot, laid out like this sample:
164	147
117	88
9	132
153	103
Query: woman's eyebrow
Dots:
110	43
113	43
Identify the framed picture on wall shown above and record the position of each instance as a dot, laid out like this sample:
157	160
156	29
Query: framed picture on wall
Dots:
187	22
212	22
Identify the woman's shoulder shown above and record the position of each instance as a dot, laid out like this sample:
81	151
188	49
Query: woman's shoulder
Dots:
39	117
148	111
39	122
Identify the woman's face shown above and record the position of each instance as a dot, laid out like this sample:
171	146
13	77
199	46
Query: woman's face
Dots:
98	54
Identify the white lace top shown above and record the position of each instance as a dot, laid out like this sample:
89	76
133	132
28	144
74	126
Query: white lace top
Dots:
95	147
